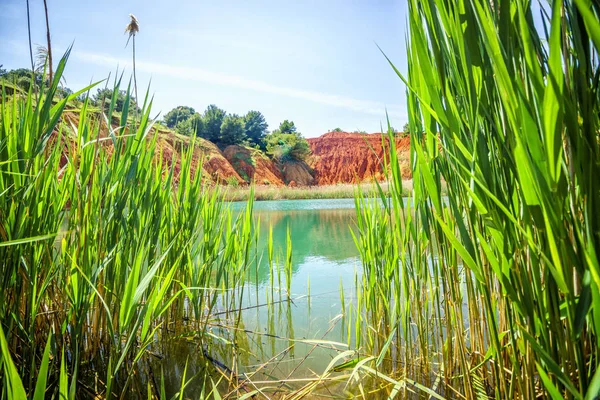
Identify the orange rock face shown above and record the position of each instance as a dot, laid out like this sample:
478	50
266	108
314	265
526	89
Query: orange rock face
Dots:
253	166
298	172
169	145
215	166
337	157
340	157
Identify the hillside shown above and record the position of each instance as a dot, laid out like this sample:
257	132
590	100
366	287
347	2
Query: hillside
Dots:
341	157
254	166
170	147
337	157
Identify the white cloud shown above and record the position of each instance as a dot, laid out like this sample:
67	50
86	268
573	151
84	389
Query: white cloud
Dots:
201	75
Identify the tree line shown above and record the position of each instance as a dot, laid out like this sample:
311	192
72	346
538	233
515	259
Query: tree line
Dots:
224	129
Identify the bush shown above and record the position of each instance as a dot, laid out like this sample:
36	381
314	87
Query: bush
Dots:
232	181
191	126
178	115
287	146
286	143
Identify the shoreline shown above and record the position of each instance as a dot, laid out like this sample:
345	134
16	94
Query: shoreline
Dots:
337	191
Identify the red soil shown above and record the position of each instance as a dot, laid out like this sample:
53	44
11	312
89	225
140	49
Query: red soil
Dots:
337	157
254	166
340	157
169	146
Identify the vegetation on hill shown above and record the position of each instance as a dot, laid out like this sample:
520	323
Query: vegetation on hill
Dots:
23	78
178	115
256	128
286	143
103	98
492	291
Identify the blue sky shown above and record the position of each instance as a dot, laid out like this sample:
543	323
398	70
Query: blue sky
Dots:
314	62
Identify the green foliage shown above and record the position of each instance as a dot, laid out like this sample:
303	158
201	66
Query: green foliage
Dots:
286	143
23	78
186	121
496	287
406	128
232	130
215	125
213	118
256	128
106	95
192	126
336	130
286	127
232	181
95	287
178	115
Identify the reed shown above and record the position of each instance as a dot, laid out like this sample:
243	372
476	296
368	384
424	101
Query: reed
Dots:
338	191
102	254
492	291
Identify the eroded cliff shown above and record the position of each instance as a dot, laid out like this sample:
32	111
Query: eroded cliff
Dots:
254	166
341	157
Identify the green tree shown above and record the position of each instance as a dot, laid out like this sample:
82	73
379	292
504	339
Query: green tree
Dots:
286	143
287	127
256	128
193	125
105	95
336	130
406	128
22	77
233	130
213	118
178	115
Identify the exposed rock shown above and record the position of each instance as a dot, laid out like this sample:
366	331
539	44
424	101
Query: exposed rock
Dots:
215	166
253	165
298	172
170	146
337	157
340	157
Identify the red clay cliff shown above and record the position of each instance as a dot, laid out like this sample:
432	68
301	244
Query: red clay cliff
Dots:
341	157
337	157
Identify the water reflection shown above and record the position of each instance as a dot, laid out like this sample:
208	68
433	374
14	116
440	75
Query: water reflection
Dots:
276	343
324	234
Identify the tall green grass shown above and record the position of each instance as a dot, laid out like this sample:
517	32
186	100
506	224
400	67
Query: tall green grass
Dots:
102	255
494	291
338	191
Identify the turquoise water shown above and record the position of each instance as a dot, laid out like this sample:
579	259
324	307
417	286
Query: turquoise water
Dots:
321	238
325	258
296	205
279	340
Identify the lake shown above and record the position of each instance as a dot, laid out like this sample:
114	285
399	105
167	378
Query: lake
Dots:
290	340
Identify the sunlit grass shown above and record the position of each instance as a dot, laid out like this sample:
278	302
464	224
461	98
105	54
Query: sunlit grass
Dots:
494	290
339	191
138	257
489	292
